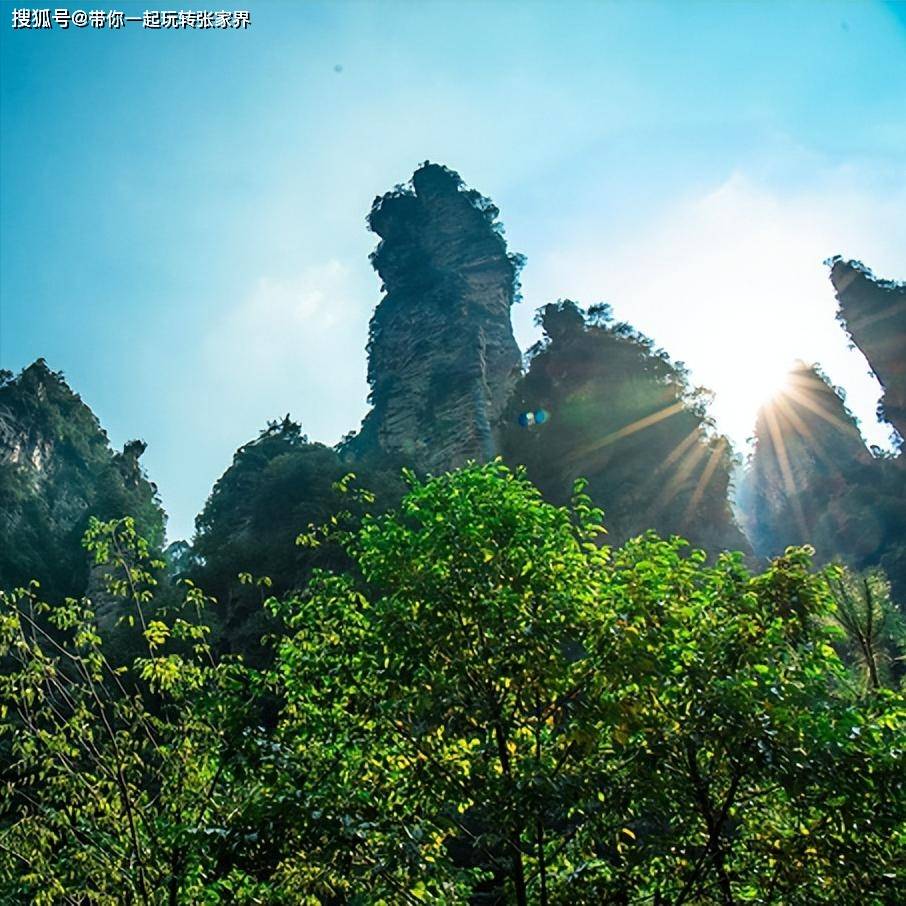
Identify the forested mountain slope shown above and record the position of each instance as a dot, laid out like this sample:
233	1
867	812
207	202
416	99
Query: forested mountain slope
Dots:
599	401
57	469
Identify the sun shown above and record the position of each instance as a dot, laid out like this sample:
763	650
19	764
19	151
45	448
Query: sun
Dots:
742	387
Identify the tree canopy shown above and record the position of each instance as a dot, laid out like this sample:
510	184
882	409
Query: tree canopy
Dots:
484	704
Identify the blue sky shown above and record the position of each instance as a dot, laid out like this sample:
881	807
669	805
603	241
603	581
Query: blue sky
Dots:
183	213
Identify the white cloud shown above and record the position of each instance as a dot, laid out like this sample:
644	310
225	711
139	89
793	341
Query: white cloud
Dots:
295	344
268	326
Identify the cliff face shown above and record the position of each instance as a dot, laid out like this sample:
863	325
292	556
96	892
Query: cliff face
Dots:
442	356
873	312
56	470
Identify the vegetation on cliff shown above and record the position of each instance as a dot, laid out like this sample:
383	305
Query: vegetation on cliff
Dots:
616	410
57	469
276	485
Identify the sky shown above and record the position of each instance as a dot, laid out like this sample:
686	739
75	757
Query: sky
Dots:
182	214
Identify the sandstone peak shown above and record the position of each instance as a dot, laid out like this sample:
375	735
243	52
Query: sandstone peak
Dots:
874	314
442	356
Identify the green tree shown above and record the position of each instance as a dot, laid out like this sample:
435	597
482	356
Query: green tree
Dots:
533	714
119	781
440	680
743	767
874	629
486	704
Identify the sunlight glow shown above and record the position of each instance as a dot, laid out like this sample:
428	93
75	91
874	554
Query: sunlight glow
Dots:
713	462
732	283
637	425
787	413
689	459
779	442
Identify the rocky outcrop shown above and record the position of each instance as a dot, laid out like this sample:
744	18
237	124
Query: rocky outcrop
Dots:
56	470
812	480
873	312
808	454
600	402
442	356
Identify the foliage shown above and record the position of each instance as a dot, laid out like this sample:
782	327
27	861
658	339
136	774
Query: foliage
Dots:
873	628
485	705
446	675
276	484
621	413
750	771
56	471
401	206
119	782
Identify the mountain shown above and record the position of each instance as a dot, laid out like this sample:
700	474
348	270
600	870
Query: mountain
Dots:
873	313
593	398
812	480
447	387
57	469
599	401
807	451
442	359
447	383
